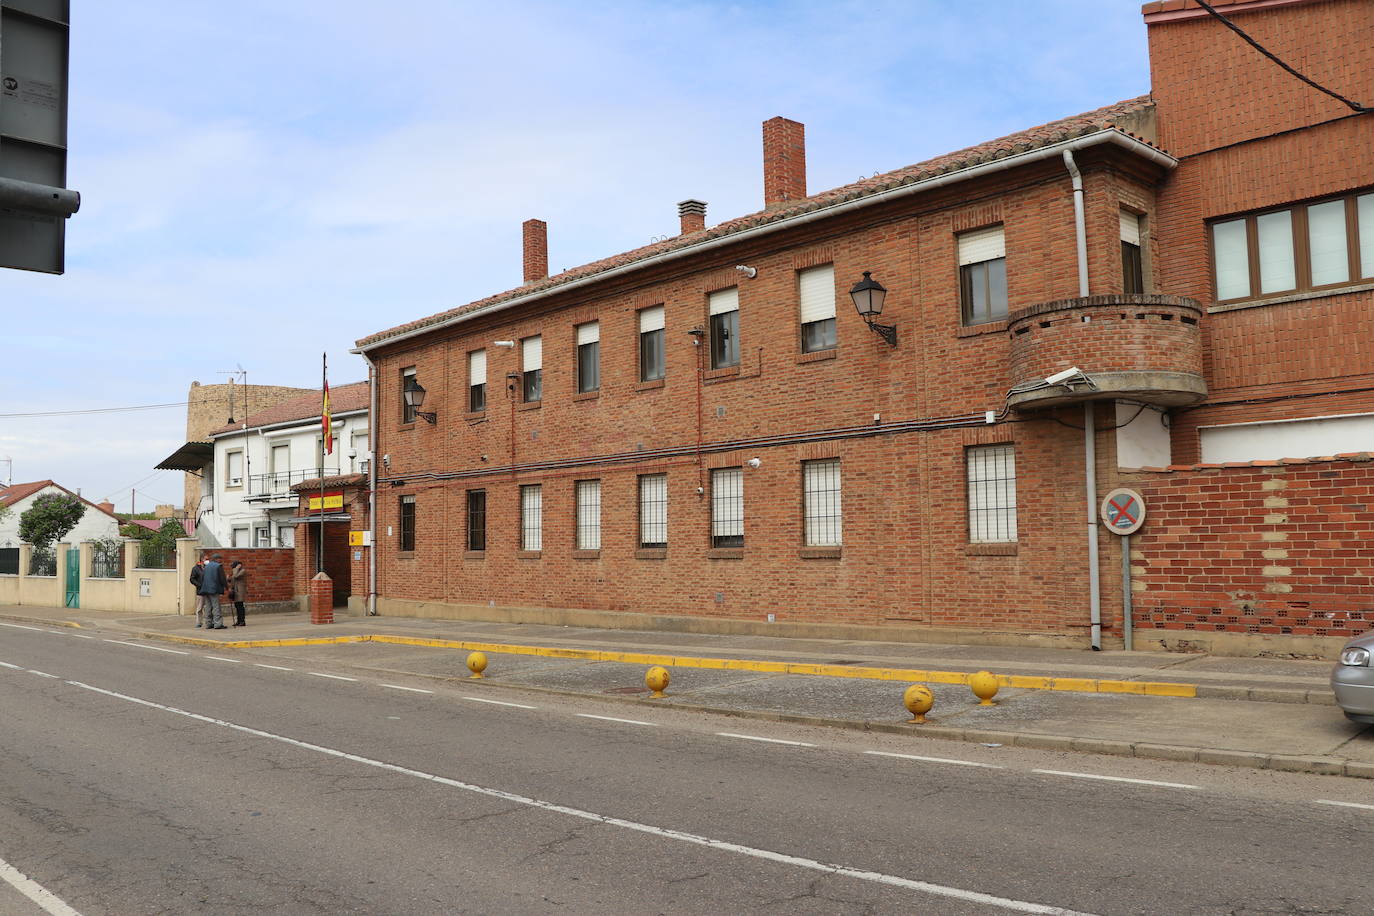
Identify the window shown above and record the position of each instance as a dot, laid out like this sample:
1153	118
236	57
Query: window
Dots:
653	510
477	381
407	412
588	357
532	517
262	536
532	369
727	507
233	468
477	519
816	293
821	502
1313	246
991	494
407	523
238	537
651	325
357	444
588	494
983	275
1132	267
723	306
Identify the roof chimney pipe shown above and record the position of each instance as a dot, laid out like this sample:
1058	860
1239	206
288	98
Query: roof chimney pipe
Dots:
784	161
536	233
692	213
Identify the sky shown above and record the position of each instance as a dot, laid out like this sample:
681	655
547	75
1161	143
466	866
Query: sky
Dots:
266	182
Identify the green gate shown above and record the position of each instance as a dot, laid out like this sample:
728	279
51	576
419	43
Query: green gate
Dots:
74	577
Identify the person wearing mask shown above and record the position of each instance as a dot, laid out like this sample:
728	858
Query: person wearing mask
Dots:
197	573
212	584
238	590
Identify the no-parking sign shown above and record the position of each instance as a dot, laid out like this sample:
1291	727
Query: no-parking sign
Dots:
1123	511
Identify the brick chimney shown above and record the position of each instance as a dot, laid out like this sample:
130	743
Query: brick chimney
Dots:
784	161
536	249
692	213
106	506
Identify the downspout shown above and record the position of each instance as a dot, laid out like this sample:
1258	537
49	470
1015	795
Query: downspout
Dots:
372	427
1089	431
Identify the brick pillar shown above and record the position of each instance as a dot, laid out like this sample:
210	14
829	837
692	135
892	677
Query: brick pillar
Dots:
536	235
321	599
784	161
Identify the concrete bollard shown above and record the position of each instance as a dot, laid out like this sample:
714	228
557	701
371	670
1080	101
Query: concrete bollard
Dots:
477	663
918	699
656	679
984	687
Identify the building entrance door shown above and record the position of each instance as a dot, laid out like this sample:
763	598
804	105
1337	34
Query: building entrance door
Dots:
74	577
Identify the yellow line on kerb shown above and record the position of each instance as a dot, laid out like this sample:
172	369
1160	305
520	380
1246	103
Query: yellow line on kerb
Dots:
1019	681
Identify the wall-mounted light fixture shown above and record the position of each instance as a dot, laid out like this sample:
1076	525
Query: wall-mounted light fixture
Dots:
414	393
750	272
868	295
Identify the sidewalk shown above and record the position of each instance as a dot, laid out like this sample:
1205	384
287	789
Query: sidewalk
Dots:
1252	712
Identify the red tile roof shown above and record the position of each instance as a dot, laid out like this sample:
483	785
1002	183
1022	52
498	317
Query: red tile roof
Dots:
342	399
21	491
1022	141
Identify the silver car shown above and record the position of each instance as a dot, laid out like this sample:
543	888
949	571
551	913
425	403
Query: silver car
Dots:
1352	679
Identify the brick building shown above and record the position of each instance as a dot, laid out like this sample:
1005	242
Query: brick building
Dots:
705	433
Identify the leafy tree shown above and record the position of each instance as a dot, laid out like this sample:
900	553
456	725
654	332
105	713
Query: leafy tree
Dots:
5	512
51	517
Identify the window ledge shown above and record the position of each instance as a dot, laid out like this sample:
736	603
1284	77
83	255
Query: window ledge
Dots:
651	553
816	356
472	415
405	554
1303	296
649	385
821	553
529	405
528	554
474	554
586	554
987	327
991	550
726	372
406	425
587	395
725	553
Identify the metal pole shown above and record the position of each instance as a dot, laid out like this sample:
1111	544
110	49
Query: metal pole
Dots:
1127	624
1090	489
324	382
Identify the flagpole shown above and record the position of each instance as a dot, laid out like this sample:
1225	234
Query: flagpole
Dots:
324	410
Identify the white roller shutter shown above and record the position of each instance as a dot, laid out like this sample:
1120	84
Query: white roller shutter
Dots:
1130	227
724	300
589	333
477	367
532	353
982	245
651	319
816	289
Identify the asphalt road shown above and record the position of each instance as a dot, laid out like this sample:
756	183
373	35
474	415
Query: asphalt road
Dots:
140	779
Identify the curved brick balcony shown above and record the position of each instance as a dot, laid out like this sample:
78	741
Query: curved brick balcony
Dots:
1137	347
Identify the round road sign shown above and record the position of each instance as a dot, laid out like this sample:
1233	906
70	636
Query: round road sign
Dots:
1123	511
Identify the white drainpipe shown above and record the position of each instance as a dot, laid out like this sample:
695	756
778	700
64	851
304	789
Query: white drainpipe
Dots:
1089	430
372	429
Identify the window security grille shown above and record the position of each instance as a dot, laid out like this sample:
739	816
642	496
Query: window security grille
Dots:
727	507
532	517
991	494
653	510
588	497
821	503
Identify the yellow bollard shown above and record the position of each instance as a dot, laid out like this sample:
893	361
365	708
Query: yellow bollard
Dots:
656	679
984	687
918	699
477	663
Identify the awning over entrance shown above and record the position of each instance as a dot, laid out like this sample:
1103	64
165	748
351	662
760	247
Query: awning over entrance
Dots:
316	519
193	456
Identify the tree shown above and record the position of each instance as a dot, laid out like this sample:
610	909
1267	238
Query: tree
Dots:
51	517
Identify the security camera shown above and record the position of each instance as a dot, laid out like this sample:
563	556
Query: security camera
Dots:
353	453
386	460
1060	378
503	343
753	462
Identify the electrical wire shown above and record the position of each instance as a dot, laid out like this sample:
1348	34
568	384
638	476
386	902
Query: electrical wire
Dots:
87	412
1354	106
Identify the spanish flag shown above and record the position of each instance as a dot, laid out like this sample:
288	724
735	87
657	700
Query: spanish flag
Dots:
326	424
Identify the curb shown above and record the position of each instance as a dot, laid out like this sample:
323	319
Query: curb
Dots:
69	624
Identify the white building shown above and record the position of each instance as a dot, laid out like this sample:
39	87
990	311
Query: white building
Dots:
247	469
98	522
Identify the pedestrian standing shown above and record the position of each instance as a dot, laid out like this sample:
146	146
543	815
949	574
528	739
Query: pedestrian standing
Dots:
212	585
197	573
238	590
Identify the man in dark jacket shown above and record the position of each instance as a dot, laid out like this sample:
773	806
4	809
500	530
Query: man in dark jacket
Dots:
197	573
212	584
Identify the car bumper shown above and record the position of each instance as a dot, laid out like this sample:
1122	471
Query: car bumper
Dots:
1354	689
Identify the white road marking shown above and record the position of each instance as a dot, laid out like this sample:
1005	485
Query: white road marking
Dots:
273	667
218	658
1341	804
769	740
139	645
587	715
40	673
16	626
15	667
1139	782
411	689
664	832
500	703
81	636
46	899
962	763
333	677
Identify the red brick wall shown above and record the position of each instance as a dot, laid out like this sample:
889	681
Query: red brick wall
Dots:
1272	548
270	570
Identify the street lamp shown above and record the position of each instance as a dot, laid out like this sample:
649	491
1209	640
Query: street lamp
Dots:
868	295
414	394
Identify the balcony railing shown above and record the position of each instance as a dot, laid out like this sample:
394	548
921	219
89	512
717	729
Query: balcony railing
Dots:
278	485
